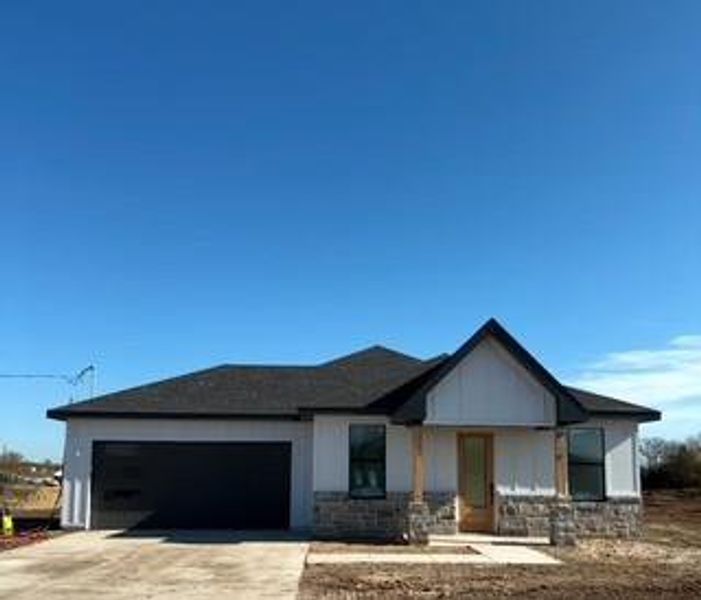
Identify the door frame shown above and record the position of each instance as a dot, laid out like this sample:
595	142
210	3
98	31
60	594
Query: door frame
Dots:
490	509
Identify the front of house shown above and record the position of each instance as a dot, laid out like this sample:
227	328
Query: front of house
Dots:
376	443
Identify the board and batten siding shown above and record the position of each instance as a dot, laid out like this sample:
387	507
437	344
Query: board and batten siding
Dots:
331	460
524	459
621	459
489	388
82	432
524	462
331	453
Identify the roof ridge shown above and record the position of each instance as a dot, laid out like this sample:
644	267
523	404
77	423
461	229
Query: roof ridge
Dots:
367	350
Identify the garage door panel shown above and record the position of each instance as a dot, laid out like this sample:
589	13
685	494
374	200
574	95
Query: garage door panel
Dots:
191	485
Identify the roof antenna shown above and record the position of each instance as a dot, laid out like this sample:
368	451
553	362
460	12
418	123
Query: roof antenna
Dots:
89	372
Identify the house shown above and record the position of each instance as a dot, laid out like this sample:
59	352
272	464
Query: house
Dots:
373	443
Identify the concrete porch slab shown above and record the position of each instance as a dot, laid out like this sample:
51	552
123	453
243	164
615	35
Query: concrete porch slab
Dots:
514	555
387	558
487	554
467	539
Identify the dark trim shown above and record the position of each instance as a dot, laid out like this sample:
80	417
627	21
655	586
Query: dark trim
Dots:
379	496
642	416
309	410
598	463
62	415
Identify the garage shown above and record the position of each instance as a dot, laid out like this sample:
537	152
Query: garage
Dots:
190	485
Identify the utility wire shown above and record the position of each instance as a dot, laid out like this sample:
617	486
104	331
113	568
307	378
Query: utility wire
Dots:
73	380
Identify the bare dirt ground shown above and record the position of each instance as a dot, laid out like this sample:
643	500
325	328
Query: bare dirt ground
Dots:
24	538
664	563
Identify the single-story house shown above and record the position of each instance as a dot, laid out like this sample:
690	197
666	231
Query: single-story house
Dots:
373	443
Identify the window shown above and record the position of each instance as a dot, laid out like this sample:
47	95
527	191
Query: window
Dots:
586	464
367	461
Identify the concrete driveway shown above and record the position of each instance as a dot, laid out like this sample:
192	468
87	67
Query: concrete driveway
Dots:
178	565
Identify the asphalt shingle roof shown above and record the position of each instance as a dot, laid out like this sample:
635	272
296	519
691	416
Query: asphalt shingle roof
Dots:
603	406
350	382
376	380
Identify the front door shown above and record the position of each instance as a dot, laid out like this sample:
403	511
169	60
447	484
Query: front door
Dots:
475	482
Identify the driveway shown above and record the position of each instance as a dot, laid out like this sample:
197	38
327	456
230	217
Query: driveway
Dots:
178	565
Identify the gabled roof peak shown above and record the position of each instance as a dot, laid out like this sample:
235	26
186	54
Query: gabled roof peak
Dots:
569	410
371	352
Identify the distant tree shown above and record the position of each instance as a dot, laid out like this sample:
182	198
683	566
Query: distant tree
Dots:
670	464
10	459
654	451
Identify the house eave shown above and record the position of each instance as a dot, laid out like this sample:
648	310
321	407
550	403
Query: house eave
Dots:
64	415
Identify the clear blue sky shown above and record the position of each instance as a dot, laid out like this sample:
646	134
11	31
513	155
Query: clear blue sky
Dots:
189	183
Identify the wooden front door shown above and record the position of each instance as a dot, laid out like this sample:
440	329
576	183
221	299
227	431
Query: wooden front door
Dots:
475	482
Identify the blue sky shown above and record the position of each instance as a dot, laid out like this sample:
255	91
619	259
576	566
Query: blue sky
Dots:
185	184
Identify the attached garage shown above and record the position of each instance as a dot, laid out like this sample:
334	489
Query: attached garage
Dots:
193	485
187	473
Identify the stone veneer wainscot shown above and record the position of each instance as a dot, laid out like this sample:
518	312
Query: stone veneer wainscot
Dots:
336	515
530	515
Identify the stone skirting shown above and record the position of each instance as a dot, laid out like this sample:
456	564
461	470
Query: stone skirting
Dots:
524	515
336	515
531	516
616	517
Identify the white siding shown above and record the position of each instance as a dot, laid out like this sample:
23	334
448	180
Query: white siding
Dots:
441	450
621	460
82	432
524	463
489	388
331	453
523	459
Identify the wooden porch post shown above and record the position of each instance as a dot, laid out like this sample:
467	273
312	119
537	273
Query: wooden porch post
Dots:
419	471
562	486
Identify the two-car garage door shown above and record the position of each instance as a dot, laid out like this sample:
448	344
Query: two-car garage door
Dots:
191	485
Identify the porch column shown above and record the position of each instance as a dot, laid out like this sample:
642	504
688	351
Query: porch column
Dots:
418	513
561	473
563	531
419	470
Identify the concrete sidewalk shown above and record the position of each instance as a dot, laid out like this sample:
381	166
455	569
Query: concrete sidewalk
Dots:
487	554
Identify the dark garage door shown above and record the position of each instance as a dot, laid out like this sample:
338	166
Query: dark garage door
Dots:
157	485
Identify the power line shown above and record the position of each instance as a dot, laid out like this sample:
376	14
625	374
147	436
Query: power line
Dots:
34	376
73	380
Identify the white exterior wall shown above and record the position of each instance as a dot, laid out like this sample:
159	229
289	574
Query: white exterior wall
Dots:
622	463
524	463
81	432
523	459
331	453
489	388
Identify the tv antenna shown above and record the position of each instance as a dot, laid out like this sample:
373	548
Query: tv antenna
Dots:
85	376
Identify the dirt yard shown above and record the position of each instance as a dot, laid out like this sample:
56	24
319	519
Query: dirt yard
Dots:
664	563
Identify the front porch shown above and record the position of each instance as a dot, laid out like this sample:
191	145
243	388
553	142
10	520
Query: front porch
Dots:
506	480
482	502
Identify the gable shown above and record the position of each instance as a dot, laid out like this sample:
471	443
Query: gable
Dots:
489	387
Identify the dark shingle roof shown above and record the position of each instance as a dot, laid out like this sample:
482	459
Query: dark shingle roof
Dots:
604	406
376	380
350	382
